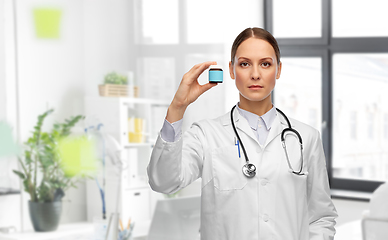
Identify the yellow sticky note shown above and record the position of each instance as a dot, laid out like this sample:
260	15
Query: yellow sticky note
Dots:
78	155
7	144
47	22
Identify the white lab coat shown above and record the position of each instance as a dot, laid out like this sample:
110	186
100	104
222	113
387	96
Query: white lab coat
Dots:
275	204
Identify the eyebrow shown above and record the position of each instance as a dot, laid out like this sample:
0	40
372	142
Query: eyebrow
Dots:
264	58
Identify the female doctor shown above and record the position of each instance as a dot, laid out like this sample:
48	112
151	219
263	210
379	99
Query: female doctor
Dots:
252	187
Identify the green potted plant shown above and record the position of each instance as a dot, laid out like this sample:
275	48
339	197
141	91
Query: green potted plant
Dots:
115	85
42	173
115	78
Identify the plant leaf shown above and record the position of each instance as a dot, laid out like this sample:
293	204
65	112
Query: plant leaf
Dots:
20	174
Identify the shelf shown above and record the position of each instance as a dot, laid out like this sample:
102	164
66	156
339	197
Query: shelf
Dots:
8	191
145	101
134	145
128	100
113	113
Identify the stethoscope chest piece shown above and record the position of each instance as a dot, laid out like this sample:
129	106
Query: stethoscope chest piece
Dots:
249	170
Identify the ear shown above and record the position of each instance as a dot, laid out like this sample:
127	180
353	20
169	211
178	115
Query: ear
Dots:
279	70
231	70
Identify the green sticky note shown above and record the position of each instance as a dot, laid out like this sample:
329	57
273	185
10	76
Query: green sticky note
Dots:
8	146
78	155
47	22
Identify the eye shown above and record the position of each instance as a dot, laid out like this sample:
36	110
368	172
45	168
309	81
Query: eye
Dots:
244	64
266	64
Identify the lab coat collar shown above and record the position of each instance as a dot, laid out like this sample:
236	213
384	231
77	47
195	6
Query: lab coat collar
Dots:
253	119
240	122
225	120
276	129
283	120
279	123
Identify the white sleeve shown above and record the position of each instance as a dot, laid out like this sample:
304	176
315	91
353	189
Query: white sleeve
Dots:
320	206
174	165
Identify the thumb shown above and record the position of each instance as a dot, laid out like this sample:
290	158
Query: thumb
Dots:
207	86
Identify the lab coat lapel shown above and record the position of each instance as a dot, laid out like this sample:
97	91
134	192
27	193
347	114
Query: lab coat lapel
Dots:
243	125
276	129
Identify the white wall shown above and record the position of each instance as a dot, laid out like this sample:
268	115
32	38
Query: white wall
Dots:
9	77
108	35
10	202
51	74
2	61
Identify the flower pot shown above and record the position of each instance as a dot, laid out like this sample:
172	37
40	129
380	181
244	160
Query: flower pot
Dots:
45	216
117	90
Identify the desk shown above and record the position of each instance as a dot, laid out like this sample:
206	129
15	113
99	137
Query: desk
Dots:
72	231
80	231
85	230
349	231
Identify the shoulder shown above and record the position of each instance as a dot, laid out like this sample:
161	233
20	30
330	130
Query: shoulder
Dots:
311	138
220	121
213	133
305	130
213	129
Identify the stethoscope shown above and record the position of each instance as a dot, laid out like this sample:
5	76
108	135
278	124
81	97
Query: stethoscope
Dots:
249	169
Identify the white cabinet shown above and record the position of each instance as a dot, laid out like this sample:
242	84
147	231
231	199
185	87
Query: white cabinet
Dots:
135	197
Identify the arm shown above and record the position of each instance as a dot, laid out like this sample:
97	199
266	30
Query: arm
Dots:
320	206
173	166
171	132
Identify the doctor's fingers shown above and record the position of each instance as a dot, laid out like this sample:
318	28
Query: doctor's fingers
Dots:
193	74
207	86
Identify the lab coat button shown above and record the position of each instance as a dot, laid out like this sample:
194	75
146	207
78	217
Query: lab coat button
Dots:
265	218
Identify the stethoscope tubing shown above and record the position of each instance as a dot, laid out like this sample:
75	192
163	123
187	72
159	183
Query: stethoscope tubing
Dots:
282	138
238	136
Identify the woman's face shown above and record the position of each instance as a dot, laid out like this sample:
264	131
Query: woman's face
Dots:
255	70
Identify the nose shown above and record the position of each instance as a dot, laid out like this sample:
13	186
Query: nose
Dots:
255	75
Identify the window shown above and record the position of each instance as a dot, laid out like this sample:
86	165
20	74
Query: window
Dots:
385	129
300	23
364	149
157	32
350	79
173	35
353	126
196	32
348	23
303	103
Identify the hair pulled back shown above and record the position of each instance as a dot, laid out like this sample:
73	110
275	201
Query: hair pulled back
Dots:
258	33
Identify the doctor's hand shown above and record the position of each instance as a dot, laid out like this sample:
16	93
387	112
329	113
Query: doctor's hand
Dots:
188	91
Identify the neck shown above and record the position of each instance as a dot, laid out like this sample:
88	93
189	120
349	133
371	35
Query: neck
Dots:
257	107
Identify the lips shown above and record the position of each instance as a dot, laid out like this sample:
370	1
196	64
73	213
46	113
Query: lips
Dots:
255	87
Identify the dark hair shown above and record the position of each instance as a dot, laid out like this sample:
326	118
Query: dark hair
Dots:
255	33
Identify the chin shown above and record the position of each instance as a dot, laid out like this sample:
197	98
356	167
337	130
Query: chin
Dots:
256	98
